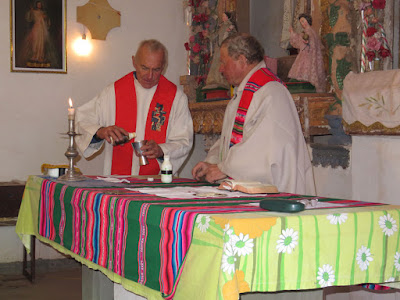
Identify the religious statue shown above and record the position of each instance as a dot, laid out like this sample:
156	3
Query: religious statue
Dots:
309	65
225	29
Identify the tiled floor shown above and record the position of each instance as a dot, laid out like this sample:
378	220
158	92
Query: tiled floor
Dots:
50	285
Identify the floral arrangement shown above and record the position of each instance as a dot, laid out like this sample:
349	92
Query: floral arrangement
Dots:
375	44
203	20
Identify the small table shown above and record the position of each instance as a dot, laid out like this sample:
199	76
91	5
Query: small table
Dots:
188	239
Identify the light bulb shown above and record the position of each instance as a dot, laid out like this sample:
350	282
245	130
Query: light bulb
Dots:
82	46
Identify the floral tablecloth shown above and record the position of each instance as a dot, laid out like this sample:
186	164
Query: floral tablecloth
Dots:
275	252
232	247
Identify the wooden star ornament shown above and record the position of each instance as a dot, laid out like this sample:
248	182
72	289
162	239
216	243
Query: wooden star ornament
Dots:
99	17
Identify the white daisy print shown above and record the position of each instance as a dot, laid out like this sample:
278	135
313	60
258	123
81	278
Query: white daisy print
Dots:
203	222
391	279
287	241
228	231
242	244
364	258
326	276
337	218
397	261
228	259
227	227
388	224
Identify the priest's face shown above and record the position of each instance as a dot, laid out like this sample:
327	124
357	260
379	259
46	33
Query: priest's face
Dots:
232	69
149	66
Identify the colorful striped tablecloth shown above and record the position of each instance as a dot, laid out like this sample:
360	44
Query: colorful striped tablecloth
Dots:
211	248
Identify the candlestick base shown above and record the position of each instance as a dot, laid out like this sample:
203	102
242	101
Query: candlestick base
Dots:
72	176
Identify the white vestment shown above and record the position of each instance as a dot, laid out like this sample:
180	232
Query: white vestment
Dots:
273	149
100	112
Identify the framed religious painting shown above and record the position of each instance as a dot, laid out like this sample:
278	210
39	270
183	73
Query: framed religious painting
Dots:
38	36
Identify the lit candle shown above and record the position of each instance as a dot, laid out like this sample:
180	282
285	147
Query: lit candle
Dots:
71	110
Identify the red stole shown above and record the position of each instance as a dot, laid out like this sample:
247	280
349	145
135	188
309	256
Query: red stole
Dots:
156	124
256	81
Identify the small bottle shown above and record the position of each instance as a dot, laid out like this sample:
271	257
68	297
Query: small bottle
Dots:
125	139
166	170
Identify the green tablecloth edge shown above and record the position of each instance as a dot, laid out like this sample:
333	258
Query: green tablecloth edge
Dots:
27	225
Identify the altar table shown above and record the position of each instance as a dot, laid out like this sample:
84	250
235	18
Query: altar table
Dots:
210	245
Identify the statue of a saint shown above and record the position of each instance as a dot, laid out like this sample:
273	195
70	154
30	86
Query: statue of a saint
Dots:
309	65
226	28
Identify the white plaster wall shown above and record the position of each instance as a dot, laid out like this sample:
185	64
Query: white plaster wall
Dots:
266	25
376	168
11	249
333	182
33	106
197	154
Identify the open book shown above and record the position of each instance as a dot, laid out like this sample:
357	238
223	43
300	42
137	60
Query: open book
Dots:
249	187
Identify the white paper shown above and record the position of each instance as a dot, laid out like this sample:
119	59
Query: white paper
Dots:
187	192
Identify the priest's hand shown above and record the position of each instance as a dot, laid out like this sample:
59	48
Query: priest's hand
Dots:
111	134
208	172
152	150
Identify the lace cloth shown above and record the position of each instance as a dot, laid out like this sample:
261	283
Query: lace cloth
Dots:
372	97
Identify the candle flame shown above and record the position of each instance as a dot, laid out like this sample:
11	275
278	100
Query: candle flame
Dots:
70	103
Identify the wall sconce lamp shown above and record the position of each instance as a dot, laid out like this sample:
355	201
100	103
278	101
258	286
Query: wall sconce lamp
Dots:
82	46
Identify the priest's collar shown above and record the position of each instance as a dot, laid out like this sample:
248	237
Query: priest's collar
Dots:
241	86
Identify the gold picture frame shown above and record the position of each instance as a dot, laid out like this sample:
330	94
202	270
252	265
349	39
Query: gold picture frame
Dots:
38	36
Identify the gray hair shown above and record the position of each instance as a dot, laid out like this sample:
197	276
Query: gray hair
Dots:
154	46
246	45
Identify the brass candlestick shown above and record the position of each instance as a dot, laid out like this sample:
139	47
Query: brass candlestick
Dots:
71	174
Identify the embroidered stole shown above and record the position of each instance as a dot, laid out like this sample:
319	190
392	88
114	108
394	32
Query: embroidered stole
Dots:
156	124
256	81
